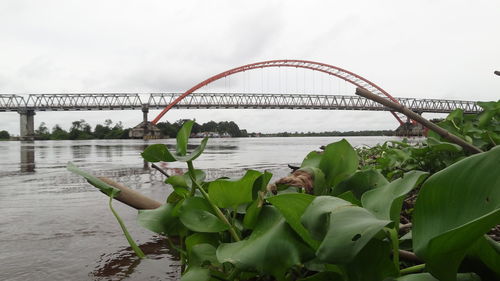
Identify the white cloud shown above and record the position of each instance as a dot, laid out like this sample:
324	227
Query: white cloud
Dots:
434	49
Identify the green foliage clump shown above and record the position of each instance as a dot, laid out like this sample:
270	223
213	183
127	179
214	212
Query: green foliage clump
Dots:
346	226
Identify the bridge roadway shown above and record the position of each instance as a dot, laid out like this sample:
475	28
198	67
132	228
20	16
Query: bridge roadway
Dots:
121	101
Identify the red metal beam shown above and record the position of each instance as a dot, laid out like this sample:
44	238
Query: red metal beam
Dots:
315	66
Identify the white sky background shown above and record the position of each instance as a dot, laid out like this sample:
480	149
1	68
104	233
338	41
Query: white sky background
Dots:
425	49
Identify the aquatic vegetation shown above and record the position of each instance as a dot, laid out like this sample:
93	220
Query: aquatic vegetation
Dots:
342	219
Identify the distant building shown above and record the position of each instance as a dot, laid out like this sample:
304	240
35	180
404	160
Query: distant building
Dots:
211	135
148	131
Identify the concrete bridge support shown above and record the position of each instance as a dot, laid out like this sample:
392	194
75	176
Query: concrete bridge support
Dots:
27	125
145	111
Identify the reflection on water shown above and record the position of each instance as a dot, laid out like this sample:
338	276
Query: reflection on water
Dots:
123	264
55	226
27	156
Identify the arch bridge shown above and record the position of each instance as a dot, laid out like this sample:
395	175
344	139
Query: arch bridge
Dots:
27	105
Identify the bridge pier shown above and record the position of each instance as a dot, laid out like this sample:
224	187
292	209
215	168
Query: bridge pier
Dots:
27	124
145	111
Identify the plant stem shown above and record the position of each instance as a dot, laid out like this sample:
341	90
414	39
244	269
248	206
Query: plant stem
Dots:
393	235
216	209
131	241
192	176
412	269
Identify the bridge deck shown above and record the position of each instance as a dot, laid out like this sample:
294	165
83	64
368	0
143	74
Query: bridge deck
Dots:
120	101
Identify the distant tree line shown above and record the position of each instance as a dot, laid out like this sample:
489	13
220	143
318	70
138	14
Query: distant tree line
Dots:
228	127
81	130
332	134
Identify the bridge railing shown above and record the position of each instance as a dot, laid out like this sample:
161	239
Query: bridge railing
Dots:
121	101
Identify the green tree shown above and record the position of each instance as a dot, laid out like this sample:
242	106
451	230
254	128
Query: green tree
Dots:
4	135
58	133
80	130
209	127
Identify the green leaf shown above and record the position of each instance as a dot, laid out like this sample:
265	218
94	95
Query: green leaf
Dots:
272	248
197	215
195	153
201	238
261	184
312	160
177	180
196	274
252	214
292	206
437	145
487	252
160	152
183	137
349	196
339	161
157	153
455	207
161	220
386	201
201	253
360	182
317	215
343	228
226	193
102	186
373	263
428	277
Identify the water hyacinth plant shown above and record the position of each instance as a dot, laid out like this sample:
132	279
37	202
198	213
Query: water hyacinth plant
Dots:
341	219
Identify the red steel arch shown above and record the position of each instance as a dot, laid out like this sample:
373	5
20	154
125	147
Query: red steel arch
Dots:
346	75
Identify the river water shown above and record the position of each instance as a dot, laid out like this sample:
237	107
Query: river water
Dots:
55	226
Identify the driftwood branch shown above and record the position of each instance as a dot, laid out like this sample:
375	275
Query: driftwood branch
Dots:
414	116
160	170
131	197
409	256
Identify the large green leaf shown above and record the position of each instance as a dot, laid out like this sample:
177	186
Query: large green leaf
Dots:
161	220
226	193
343	229
338	162
312	160
196	274
360	182
272	248
373	263
183	137
437	145
455	207
486	252
386	201
292	206
197	215
157	153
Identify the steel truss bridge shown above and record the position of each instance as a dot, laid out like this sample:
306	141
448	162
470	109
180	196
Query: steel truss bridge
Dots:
127	101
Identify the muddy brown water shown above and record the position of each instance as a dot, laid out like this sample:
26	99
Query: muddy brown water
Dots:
55	226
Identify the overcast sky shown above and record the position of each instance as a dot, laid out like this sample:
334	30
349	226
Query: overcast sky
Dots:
426	49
